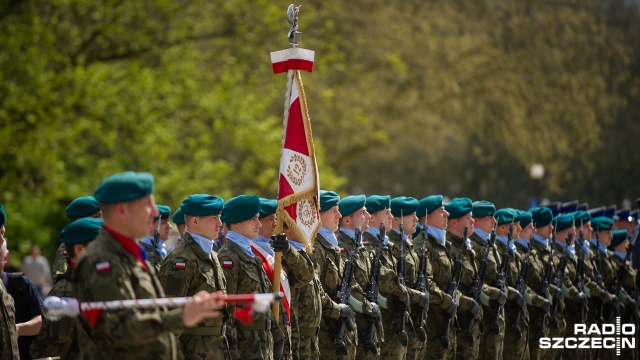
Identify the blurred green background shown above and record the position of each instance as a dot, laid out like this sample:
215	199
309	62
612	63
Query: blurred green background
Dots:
411	97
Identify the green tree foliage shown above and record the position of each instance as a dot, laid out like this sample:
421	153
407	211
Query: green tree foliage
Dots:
453	97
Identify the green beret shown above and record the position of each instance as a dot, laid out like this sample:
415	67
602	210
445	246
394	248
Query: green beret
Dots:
124	187
82	207
618	237
403	205
505	216
351	204
328	199
525	219
268	207
563	222
517	215
458	207
582	217
202	205
164	211
81	231
602	223
3	216
178	217
541	216
429	204
482	209
240	208
377	203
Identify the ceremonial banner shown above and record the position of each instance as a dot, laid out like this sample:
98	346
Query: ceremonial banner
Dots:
298	185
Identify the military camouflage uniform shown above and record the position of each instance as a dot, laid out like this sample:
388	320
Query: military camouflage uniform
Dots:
59	338
412	263
187	270
390	288
492	316
538	319
515	344
8	334
361	272
608	277
628	309
246	275
153	256
442	269
305	304
329	268
106	271
467	343
60	264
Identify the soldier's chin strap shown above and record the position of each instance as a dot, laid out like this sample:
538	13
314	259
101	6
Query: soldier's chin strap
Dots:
55	308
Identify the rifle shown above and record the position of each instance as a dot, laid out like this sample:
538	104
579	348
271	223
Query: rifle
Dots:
521	286
344	293
372	292
599	277
501	280
557	278
476	285
579	281
402	333
617	286
421	285
156	241
453	292
548	273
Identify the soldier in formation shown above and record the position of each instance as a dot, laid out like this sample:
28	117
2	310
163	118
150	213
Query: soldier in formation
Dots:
364	289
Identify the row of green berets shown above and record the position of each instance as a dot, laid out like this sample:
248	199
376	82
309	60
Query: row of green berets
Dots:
385	278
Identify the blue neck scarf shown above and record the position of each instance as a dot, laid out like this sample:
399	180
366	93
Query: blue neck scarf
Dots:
375	232
350	233
503	239
541	240
241	241
404	236
329	236
437	233
620	254
162	247
584	248
296	245
205	244
571	250
482	234
522	242
264	243
602	247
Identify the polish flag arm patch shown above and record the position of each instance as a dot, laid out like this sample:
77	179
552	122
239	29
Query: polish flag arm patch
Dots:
103	266
181	265
227	264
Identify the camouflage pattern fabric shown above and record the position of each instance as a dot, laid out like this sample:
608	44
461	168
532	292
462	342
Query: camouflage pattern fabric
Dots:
187	270
106	271
244	275
8	334
60	264
153	257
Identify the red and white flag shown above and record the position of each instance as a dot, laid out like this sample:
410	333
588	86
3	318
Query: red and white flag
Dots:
298	184
292	59
268	264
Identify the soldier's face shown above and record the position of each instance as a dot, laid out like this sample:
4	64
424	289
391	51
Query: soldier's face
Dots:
486	223
517	229
409	222
250	228
545	231
438	218
268	226
209	226
605	237
330	218
165	228
138	216
181	228
354	219
587	230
